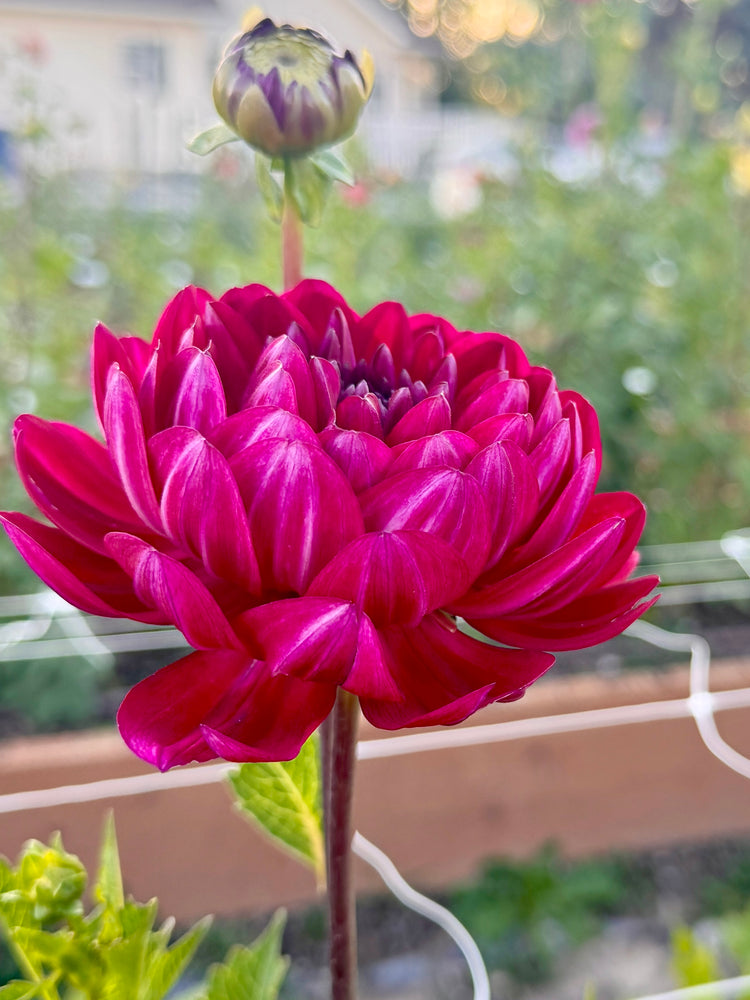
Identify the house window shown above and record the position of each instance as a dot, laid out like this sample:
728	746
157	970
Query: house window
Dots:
145	65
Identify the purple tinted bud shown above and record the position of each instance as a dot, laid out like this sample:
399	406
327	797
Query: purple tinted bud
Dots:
286	92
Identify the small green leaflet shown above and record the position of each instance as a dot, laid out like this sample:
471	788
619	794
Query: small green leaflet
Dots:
284	800
308	185
269	187
209	140
334	166
108	888
16	990
253	973
167	967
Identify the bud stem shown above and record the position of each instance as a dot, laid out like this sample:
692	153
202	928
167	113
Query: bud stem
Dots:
292	250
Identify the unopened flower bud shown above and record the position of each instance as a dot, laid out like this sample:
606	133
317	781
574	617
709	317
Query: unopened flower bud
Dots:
286	92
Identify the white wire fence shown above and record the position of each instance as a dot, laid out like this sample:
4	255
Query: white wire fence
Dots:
42	625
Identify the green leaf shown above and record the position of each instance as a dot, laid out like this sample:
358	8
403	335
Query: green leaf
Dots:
42	946
16	990
334	166
51	879
253	973
269	187
108	888
308	186
166	968
284	800
205	142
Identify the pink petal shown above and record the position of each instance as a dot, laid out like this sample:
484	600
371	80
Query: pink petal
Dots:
445	378
508	483
431	416
550	458
301	510
386	324
628	506
160	718
448	448
276	388
179	316
260	423
445	676
544	402
370	675
589	425
360	413
476	353
509	396
131	353
444	503
127	446
362	458
337	344
426	322
70	478
235	347
201	505
280	365
267	718
585	622
562	520
428	354
398	406
311	638
191	393
551	582
166	585
327	385
516	427
317	300
86	580
394	577
267	312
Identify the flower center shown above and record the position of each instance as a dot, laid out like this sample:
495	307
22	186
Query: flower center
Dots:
361	380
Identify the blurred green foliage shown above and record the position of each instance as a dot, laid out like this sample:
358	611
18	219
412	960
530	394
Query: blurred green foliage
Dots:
525	915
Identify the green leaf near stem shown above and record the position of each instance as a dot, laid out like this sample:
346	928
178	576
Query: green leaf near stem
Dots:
308	187
284	799
271	190
209	140
334	166
255	972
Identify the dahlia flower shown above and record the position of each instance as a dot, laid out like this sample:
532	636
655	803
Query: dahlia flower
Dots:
285	91
314	498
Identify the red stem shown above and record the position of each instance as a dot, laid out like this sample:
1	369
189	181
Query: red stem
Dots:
292	251
341	909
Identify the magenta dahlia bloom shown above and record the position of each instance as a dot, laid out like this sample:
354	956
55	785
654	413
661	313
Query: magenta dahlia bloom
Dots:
313	497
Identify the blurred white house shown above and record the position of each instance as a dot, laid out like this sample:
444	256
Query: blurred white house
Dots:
122	84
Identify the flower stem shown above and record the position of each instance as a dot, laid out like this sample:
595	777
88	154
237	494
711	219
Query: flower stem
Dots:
342	922
292	250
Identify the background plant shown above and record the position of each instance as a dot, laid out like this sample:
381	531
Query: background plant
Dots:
63	952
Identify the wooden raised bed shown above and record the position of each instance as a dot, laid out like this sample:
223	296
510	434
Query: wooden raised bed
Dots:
439	814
